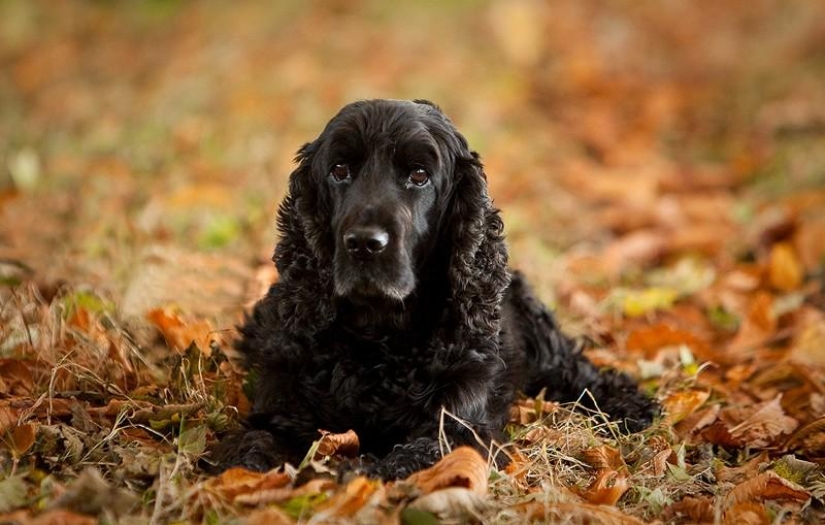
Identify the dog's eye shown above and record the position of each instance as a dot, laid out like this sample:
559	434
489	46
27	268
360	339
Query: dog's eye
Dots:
340	172
419	176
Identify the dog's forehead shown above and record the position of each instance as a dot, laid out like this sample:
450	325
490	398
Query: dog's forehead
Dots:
379	123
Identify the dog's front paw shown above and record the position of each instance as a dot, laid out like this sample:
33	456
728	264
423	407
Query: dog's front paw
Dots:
634	410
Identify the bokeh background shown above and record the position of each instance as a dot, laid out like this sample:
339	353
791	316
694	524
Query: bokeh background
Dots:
660	166
151	141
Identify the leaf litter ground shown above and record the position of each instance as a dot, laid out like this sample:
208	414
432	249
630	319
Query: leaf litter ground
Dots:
660	168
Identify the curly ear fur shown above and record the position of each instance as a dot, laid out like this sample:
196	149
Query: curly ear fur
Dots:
478	270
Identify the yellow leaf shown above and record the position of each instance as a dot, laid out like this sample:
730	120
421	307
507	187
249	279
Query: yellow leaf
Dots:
636	303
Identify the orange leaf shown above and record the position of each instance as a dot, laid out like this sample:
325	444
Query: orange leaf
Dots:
784	269
607	489
354	497
653	338
463	467
809	439
766	486
747	513
681	404
15	377
237	481
604	457
21	438
345	444
698	510
574	513
180	332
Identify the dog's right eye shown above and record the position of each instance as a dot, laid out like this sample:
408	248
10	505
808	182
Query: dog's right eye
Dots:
340	172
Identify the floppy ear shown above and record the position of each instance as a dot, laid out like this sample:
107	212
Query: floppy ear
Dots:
303	254
478	266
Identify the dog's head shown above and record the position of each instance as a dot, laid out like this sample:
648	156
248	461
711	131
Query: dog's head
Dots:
380	189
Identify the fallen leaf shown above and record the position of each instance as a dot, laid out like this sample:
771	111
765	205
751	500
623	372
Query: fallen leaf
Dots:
310	494
604	457
237	481
20	438
354	497
808	440
784	268
747	513
15	377
268	516
63	517
765	486
636	303
453	502
682	403
180	332
13	493
345	444
463	467
607	489
696	509
766	424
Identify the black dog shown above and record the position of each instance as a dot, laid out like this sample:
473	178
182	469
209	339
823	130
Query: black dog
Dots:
395	302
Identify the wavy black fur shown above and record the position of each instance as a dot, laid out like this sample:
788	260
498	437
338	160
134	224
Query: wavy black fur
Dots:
466	338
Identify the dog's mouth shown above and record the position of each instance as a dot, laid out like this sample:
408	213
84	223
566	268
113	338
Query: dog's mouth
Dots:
388	279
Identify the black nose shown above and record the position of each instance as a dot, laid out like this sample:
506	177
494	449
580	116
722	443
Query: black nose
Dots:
366	241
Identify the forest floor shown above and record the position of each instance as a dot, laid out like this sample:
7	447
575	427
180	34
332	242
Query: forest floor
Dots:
661	171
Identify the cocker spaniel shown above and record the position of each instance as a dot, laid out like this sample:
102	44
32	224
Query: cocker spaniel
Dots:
395	301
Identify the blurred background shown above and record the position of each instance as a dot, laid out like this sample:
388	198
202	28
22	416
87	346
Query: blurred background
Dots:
144	146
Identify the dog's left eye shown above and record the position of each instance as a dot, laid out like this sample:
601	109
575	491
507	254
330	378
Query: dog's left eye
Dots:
340	172
419	176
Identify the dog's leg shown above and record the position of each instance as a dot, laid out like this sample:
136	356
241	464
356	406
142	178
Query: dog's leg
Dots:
554	362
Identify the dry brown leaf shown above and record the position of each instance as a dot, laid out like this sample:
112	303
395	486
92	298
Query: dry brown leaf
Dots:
604	457
765	425
756	328
353	498
270	515
809	342
574	513
463	467
809	242
697	509
765	486
636	249
21	438
683	403
9	416
747	513
607	489
15	378
808	440
457	503
238	481
345	444
275	494
784	268
746	471
698	420
180	332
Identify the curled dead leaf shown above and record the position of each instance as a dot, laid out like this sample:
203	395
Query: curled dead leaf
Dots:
766	486
345	444
808	440
463	467
607	489
275	494
604	457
